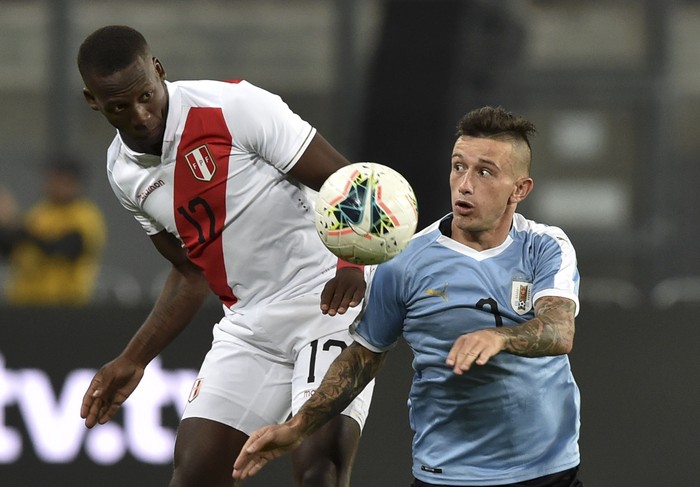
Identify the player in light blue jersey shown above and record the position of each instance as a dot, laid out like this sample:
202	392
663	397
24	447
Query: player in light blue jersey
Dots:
486	299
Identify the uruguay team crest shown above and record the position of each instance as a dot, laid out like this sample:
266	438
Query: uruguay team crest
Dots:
521	296
201	163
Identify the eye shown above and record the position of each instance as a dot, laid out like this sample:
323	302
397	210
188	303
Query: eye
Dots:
117	108
147	96
484	172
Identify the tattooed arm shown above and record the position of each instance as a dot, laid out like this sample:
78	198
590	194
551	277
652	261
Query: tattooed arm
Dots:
550	332
351	371
347	376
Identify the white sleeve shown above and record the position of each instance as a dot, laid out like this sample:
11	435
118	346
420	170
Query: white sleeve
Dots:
150	226
262	123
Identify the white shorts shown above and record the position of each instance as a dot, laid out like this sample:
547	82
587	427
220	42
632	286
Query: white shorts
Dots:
264	364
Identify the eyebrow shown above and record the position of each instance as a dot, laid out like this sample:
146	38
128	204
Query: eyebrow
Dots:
488	162
480	160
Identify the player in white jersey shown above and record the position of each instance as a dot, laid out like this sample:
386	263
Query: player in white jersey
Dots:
486	299
220	175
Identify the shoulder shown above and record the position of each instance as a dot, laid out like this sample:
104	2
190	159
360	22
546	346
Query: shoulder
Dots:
535	230
244	105
122	172
113	152
541	238
416	249
116	165
202	92
116	161
430	229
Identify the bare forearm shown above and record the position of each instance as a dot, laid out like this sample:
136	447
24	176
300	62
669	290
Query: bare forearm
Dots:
551	332
182	296
354	368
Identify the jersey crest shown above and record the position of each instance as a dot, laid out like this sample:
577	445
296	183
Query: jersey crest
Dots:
201	163
196	387
521	296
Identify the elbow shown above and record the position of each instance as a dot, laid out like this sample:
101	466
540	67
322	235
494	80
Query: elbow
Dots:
566	348
565	345
565	341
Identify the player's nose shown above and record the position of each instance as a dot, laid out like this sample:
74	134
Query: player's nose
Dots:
139	117
465	183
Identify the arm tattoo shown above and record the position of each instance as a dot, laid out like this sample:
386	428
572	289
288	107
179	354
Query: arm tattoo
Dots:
348	375
550	332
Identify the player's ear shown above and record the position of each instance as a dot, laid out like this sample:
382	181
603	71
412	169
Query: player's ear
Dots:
159	68
523	186
90	98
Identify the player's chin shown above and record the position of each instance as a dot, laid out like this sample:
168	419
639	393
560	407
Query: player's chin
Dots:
460	221
148	135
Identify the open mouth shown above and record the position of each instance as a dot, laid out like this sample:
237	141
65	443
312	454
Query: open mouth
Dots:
463	207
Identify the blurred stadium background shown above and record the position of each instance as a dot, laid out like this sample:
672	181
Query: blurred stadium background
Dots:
614	88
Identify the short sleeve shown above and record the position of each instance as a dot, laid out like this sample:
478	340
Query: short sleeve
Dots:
262	123
556	271
380	323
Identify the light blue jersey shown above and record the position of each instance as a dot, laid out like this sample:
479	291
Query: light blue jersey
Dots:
510	420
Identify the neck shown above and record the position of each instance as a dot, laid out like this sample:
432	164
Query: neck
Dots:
155	149
481	239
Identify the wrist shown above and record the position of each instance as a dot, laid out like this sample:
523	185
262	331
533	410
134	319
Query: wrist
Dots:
504	338
137	354
343	264
300	424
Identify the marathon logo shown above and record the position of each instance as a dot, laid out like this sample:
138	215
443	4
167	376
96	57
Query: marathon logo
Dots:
146	192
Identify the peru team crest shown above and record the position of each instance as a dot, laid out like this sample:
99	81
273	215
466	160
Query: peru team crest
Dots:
196	387
521	296
201	163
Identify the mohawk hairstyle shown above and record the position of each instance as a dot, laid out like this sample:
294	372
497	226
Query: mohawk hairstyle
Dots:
496	123
110	49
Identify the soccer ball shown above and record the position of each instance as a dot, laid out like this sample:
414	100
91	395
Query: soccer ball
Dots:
366	213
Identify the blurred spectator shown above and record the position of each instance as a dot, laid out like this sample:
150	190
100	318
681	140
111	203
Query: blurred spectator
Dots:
55	249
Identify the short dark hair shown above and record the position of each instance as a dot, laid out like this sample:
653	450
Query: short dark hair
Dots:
496	122
110	49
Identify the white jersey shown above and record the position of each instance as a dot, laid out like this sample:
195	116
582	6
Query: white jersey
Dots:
220	186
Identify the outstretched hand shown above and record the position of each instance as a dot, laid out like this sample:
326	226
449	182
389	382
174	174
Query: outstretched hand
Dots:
110	387
474	348
344	291
264	445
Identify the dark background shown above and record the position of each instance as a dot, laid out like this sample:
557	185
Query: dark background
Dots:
637	371
613	87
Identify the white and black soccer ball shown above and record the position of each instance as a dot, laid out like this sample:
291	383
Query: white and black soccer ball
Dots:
366	213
